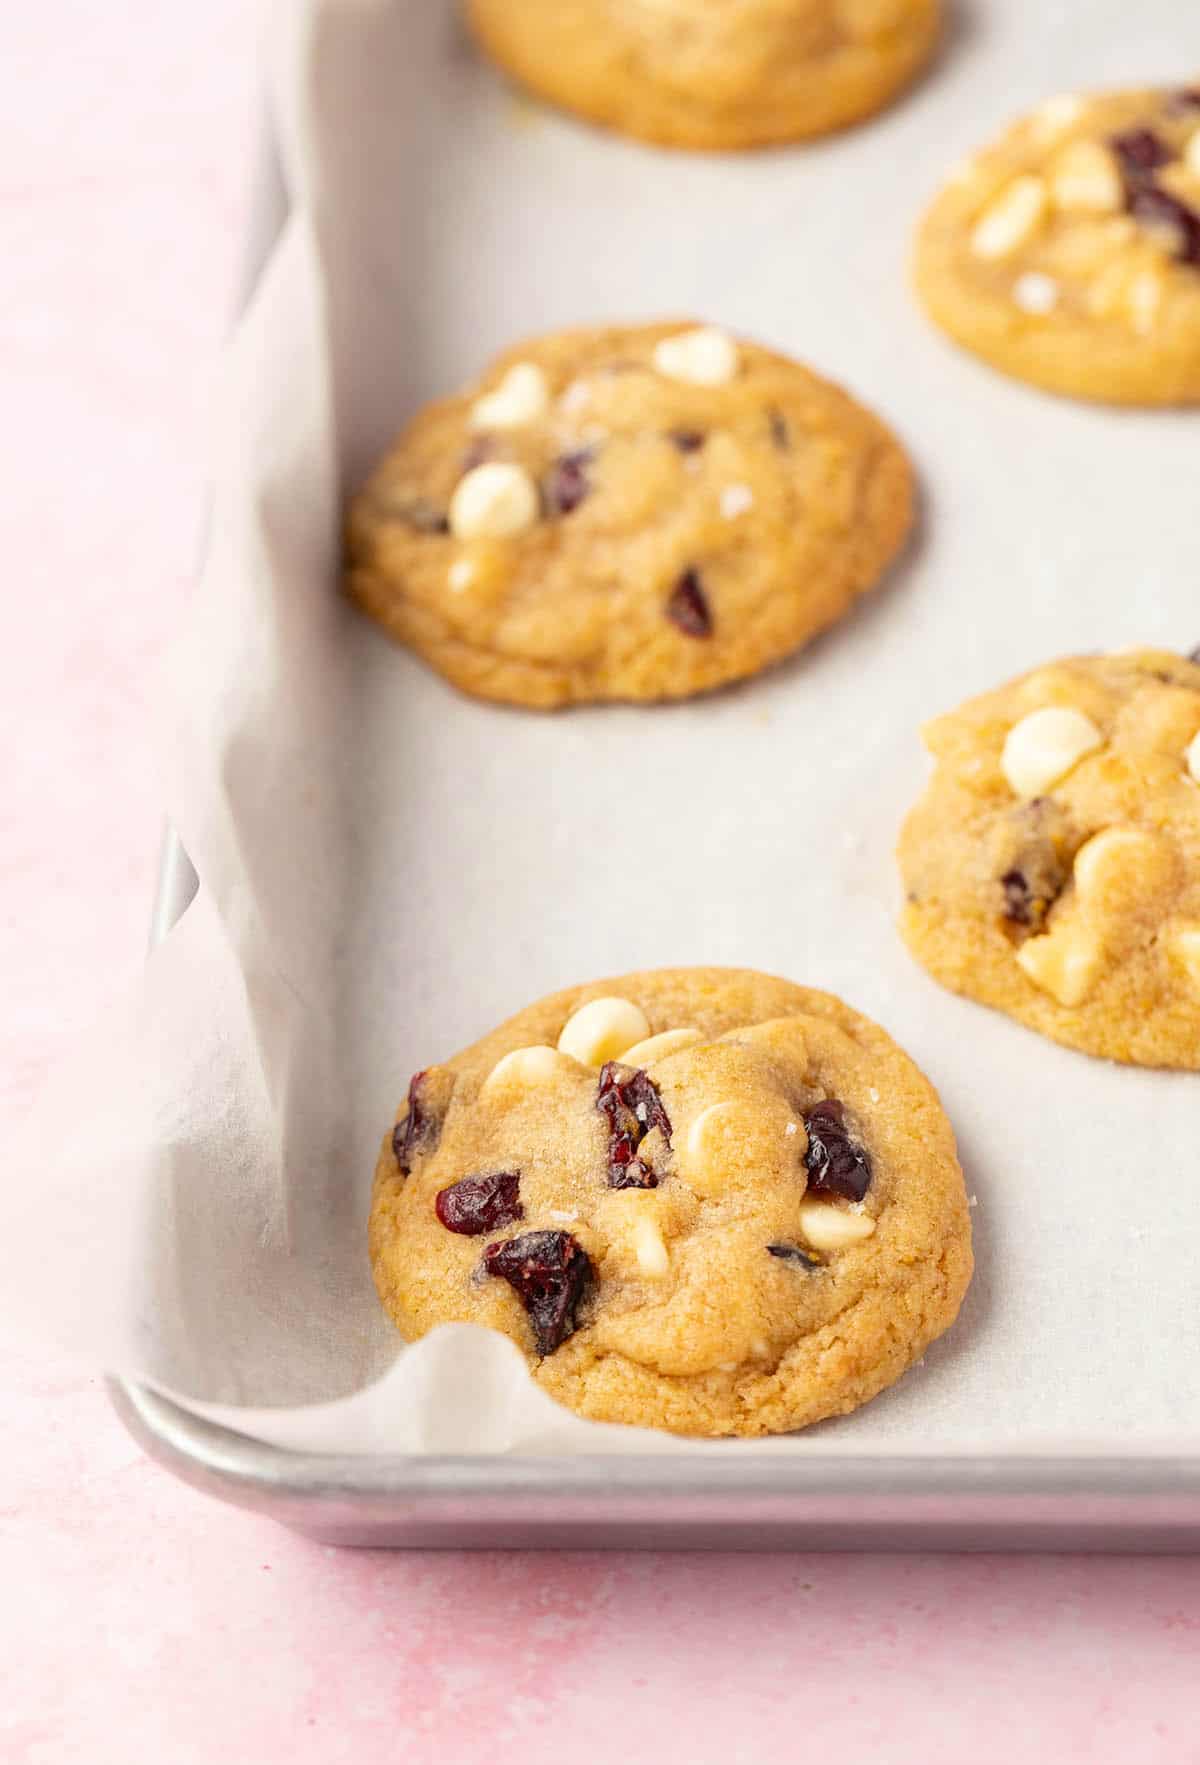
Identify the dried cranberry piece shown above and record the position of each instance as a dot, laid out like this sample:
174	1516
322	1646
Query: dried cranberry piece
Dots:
568	483
1032	887
630	1100
688	441
1187	99
481	1204
688	608
1018	897
1033	850
417	1131
549	1273
625	1169
835	1162
793	1253
1140	152
1166	213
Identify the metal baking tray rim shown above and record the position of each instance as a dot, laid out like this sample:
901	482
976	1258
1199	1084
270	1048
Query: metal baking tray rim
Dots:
743	1501
849	1501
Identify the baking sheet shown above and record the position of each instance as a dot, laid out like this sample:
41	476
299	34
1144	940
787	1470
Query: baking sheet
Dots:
388	869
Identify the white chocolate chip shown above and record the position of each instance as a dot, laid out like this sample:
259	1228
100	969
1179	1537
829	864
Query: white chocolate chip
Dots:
1043	747
704	357
524	1069
562	1216
1055	114
735	500
1010	218
658	1047
495	501
603	1030
1186	947
1124	848
521	397
740	1140
462	574
1063	963
1085	180
650	1249
1035	293
1191	154
791	1129
704	1124
1191	757
826	1226
711	1143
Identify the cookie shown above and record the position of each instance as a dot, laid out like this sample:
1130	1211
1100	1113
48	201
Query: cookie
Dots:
1052	868
641	512
1068	254
690	73
697	1199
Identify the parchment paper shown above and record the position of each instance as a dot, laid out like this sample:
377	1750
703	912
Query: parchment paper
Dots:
388	869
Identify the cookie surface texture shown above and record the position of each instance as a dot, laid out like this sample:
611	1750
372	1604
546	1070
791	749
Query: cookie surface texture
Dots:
703	1200
1068	253
1052	868
633	513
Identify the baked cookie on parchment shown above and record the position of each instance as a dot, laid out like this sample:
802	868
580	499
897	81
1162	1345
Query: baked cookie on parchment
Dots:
712	73
1052	868
1068	254
697	1199
634	512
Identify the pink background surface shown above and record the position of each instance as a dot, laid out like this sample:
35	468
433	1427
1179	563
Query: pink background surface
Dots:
139	1622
